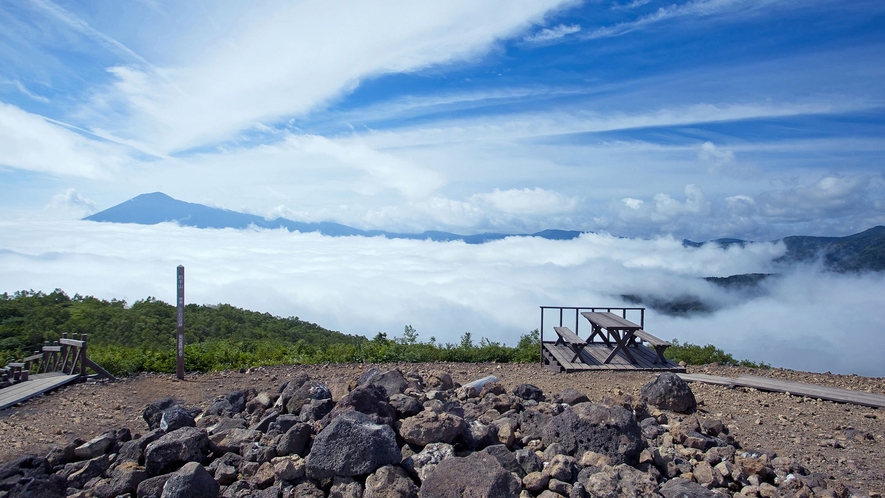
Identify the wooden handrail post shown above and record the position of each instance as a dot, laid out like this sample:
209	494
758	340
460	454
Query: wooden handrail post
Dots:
45	358
83	356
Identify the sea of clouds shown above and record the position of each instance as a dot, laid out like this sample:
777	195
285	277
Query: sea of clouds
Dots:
805	320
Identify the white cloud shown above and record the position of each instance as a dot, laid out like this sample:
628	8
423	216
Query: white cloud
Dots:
830	196
72	21
555	33
727	9
385	170
30	94
535	201
665	208
31	142
281	59
366	285
72	204
709	152
634	204
741	205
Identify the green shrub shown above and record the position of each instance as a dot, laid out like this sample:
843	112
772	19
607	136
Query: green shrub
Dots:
693	354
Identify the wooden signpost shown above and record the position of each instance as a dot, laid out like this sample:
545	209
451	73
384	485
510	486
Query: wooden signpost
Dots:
179	330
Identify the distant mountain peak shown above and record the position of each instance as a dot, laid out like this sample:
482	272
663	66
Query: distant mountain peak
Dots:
157	207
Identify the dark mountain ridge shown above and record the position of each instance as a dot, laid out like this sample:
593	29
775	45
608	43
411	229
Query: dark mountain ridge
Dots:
157	207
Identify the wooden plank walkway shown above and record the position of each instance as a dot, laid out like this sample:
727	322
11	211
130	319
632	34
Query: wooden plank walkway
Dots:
558	358
708	379
794	388
36	385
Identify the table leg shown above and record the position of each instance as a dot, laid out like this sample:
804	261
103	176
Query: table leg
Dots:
621	345
597	330
660	352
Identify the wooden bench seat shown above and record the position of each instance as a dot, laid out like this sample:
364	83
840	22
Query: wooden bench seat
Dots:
566	336
659	344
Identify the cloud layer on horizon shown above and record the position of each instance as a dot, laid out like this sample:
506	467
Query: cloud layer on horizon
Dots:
807	320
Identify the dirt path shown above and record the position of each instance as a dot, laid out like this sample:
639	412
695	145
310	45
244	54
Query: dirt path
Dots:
845	441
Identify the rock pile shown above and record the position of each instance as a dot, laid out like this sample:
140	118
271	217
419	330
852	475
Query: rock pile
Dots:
394	435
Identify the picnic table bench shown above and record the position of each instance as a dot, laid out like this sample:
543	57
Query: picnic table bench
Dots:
571	339
658	344
624	333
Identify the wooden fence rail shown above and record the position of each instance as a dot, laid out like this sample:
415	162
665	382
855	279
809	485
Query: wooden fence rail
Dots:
66	356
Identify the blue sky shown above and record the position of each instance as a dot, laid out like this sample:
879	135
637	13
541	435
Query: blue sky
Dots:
697	119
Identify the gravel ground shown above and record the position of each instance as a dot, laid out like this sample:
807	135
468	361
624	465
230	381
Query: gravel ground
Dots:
841	440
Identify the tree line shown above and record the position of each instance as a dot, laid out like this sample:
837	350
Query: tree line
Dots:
126	339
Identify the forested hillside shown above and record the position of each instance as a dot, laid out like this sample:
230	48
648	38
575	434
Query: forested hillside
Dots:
146	329
127	339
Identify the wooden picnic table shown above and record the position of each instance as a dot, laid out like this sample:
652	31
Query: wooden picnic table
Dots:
610	327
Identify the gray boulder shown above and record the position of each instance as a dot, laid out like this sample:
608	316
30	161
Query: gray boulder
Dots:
529	460
392	381
478	435
423	463
96	446
86	471
222	424
371	400
571	397
254	452
506	459
439	380
431	427
283	423
316	409
61	454
528	391
405	406
26	466
233	439
294	441
345	487
311	390
175	418
264	424
353	444
532	422
669	392
621	481
133	450
153	412
478	475
683	488
151	487
188	444
52	486
190	481
288	389
609	430
390	481
125	479
260	403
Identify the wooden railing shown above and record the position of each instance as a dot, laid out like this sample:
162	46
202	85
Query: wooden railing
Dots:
65	356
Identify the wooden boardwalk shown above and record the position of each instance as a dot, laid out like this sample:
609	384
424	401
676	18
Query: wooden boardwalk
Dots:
794	388
557	357
35	386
